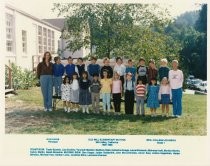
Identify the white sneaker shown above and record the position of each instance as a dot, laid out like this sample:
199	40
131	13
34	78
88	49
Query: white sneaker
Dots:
65	109
45	109
83	111
68	110
50	109
87	112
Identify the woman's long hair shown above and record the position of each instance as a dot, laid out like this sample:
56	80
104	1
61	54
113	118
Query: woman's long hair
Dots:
44	58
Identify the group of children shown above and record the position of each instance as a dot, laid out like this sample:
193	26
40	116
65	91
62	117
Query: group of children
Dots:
84	85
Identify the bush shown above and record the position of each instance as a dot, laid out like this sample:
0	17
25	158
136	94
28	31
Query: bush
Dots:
22	79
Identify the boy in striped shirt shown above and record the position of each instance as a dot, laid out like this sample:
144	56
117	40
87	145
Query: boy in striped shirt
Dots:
140	96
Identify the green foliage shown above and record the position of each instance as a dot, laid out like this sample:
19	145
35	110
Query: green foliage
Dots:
201	24
108	28
22	79
191	35
150	44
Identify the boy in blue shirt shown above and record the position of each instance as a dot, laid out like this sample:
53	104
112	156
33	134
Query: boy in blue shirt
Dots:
131	69
58	71
93	68
70	68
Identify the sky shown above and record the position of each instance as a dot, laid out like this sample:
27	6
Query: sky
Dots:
43	8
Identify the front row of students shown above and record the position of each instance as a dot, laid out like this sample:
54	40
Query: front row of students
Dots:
83	92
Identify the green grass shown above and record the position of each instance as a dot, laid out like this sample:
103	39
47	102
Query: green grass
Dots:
33	121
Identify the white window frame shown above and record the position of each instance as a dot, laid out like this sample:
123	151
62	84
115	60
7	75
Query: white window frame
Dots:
10	45
24	41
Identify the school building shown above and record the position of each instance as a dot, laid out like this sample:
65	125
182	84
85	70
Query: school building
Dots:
25	38
65	53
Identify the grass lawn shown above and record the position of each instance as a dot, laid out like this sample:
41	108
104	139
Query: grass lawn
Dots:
25	116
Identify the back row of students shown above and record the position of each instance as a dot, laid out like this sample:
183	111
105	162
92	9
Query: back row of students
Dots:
123	82
141	72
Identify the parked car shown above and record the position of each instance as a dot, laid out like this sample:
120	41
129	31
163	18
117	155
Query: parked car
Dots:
194	83
203	86
189	78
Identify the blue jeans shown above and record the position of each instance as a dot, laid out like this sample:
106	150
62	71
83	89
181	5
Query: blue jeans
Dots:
57	84
177	101
106	97
46	82
140	102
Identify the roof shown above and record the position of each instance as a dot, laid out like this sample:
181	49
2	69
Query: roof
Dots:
58	22
32	17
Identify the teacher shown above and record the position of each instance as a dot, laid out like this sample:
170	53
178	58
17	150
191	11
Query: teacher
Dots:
44	74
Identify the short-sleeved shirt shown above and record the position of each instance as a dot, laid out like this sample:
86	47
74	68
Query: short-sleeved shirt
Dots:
106	85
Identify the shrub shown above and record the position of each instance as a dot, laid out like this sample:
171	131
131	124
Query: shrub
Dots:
22	79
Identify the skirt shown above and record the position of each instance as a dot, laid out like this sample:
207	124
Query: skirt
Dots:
165	99
84	97
65	96
75	96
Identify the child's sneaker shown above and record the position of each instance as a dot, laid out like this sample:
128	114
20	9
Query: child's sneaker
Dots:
68	110
87	111
65	109
50	109
45	109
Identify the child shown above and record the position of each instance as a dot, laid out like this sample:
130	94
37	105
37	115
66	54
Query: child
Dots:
93	68
116	92
80	67
58	71
131	69
142	71
140	96
95	93
107	67
70	68
163	70
165	96
66	93
75	92
84	93
152	100
106	85
120	69
152	71
129	94
176	81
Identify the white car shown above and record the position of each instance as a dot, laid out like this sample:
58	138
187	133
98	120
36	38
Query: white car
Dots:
203	86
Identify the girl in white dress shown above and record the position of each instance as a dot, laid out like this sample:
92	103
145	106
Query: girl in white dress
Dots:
75	92
66	94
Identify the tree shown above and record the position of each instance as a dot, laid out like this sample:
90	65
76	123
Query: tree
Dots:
109	28
201	24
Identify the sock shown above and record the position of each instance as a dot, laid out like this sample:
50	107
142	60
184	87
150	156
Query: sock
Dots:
87	108
83	109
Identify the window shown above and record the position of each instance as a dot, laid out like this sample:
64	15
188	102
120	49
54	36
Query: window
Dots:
45	39
9	33
53	42
40	39
24	41
49	40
